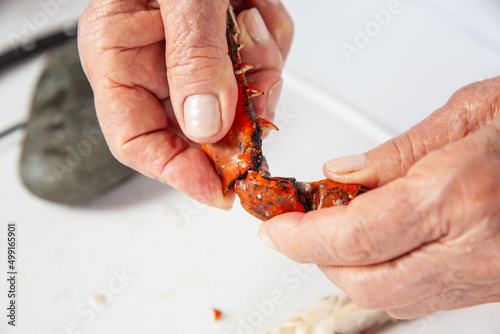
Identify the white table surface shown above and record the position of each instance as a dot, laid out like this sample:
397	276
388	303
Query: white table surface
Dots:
177	259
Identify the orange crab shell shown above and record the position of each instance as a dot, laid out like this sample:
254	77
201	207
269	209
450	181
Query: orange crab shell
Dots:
238	160
266	197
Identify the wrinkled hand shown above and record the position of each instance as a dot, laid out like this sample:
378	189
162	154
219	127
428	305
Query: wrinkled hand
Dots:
427	238
163	81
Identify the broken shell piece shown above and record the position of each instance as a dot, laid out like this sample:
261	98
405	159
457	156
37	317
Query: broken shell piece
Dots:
337	315
217	314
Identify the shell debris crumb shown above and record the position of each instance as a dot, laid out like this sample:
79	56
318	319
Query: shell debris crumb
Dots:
217	314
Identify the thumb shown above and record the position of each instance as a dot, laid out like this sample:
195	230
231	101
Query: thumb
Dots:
461	115
203	89
392	159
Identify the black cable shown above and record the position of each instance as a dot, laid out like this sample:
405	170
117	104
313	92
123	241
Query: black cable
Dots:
24	51
41	44
8	131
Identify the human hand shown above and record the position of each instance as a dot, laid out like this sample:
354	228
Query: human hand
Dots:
427	238
163	81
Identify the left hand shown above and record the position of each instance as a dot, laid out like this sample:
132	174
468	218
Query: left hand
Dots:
427	238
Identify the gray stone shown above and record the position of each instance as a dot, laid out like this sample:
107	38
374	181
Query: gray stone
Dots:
65	157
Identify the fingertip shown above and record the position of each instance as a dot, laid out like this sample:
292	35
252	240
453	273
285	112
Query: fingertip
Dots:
256	27
346	164
218	199
354	169
259	47
273	97
275	230
225	201
271	83
279	22
192	173
266	240
401	314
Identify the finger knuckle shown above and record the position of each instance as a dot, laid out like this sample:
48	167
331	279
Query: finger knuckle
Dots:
476	103
477	91
408	151
199	61
95	21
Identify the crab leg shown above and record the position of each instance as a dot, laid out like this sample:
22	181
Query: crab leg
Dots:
238	159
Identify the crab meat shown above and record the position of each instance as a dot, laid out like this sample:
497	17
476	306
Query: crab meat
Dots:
336	315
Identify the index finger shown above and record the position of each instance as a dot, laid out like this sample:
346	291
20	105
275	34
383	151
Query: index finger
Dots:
278	21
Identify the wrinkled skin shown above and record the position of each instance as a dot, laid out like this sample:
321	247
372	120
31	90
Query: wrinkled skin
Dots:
144	58
427	238
430	229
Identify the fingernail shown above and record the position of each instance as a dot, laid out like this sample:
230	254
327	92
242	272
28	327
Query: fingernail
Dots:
256	26
274	96
267	241
348	164
202	115
274	2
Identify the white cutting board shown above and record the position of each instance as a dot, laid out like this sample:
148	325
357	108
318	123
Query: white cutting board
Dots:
146	259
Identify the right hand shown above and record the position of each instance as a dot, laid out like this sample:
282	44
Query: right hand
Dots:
426	238
163	81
